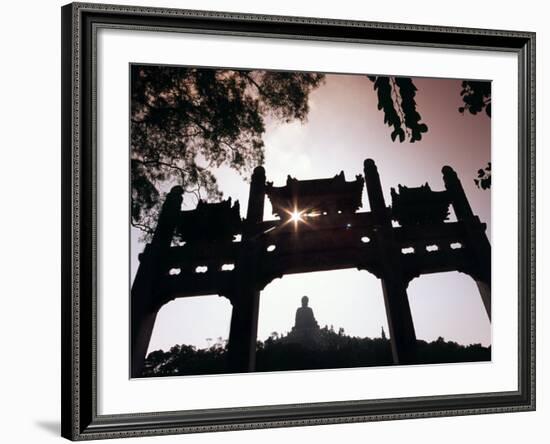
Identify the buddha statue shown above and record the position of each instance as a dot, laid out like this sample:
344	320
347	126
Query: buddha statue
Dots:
304	317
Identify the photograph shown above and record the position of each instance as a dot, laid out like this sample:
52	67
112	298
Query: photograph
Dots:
299	221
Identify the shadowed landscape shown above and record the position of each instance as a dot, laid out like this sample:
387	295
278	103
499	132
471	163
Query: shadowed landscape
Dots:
278	354
307	347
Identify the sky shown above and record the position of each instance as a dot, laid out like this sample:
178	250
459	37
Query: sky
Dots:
343	128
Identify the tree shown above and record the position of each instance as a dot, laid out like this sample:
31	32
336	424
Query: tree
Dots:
333	350
396	98
185	121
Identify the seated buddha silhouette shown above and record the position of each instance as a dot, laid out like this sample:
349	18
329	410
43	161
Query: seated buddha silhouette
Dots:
304	317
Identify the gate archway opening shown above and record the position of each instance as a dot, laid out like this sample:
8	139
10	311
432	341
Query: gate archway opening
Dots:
448	305
182	321
348	299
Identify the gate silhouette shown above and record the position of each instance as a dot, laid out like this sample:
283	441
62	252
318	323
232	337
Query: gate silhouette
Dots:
319	229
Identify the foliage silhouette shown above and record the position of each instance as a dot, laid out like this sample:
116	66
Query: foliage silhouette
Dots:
186	121
483	180
336	350
476	97
396	98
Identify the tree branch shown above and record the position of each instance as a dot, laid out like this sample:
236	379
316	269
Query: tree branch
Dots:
251	79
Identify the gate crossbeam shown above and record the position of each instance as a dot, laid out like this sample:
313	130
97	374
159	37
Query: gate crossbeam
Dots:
194	270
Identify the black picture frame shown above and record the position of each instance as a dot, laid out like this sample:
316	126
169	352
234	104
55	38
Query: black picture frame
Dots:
79	385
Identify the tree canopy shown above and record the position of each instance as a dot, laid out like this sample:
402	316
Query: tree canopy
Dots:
185	121
334	350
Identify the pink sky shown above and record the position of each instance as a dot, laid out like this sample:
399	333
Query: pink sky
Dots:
343	128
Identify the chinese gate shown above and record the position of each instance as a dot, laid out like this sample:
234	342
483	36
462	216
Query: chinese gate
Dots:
319	229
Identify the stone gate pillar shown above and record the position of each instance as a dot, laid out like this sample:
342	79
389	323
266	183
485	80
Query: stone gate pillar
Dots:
394	282
477	245
245	296
144	300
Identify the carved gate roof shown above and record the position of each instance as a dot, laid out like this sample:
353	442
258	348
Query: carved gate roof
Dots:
318	195
212	221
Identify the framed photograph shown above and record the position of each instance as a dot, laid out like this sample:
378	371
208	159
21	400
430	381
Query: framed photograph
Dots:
281	221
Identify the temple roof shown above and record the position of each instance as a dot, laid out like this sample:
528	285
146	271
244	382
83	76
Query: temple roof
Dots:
210	221
419	205
319	195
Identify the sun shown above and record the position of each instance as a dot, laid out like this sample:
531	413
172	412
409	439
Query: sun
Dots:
296	216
